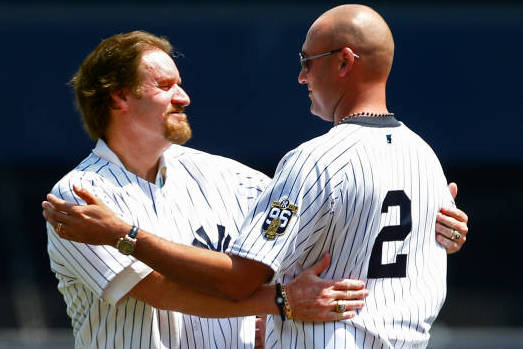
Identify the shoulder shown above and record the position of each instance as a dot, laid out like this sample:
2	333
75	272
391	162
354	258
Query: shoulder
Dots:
209	164
323	151
417	141
93	173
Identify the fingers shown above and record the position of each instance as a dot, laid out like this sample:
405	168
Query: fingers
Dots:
447	230
331	315
50	213
446	225
350	295
321	264
342	316
455	213
46	207
259	339
349	305
89	198
350	309
348	284
318	303
59	204
453	187
449	245
444	230
451	229
56	218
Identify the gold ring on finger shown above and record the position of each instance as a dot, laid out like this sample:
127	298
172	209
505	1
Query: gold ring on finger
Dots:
341	306
455	235
58	227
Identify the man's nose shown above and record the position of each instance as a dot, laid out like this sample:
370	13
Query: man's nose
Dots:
180	97
302	77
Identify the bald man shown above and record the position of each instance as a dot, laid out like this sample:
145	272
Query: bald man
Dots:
368	192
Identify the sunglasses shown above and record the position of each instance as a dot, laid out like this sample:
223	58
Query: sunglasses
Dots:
304	59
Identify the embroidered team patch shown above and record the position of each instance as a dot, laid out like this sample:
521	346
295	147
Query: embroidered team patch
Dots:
278	218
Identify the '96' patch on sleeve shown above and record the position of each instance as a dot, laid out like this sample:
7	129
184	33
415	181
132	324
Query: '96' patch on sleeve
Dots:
278	218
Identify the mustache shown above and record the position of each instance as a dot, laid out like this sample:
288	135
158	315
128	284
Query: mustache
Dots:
176	110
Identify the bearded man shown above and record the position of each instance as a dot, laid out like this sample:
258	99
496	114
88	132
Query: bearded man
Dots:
129	93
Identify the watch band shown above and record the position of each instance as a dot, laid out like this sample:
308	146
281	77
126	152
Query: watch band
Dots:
133	232
280	301
127	244
286	305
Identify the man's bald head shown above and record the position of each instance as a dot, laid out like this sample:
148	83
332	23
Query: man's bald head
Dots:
363	30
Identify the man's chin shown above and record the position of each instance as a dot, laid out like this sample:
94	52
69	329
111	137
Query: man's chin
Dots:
322	116
178	132
314	111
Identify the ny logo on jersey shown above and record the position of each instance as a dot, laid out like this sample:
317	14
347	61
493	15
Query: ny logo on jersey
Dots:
205	242
278	218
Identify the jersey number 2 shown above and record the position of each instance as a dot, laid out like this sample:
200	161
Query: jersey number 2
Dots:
399	232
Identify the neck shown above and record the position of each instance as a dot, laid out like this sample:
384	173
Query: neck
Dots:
139	155
369	99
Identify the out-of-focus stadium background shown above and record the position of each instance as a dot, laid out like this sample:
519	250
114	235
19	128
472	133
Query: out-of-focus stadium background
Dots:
456	80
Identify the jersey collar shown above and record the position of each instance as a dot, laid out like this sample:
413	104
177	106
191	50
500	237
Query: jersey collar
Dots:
370	121
103	151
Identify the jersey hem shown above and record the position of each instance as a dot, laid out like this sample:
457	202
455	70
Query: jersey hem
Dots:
274	266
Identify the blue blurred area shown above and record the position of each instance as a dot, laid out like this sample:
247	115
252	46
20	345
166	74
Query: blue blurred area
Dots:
456	80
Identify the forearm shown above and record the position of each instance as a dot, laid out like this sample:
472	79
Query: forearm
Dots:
208	271
161	293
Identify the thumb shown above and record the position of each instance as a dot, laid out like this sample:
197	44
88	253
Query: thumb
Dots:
453	187
321	264
89	198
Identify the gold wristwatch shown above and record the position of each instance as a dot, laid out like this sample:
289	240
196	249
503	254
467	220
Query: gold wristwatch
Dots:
127	244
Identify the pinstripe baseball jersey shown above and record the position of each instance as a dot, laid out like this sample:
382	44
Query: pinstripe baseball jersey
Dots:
368	193
194	192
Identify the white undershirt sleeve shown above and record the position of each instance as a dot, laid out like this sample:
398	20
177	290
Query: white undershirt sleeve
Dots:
124	282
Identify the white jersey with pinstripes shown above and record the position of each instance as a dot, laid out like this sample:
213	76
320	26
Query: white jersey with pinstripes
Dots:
368	193
200	193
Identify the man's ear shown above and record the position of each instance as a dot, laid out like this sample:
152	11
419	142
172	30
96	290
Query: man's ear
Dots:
346	62
119	99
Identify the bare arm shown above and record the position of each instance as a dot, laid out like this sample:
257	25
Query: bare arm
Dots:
96	224
205	270
309	297
161	293
217	273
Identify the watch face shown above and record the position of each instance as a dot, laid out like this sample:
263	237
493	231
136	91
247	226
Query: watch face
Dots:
279	300
125	247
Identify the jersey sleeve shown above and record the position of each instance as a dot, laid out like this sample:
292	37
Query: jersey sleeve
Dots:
290	215
103	269
248	184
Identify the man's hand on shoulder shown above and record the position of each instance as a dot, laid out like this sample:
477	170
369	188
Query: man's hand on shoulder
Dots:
93	223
